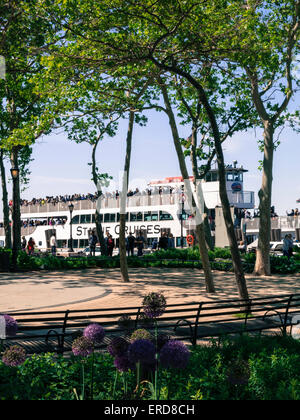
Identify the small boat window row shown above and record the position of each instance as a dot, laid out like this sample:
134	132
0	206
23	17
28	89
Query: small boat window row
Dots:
148	216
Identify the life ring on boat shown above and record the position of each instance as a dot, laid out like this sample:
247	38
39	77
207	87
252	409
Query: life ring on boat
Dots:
190	239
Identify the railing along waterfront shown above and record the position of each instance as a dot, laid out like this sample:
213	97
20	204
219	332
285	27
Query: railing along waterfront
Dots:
283	222
155	200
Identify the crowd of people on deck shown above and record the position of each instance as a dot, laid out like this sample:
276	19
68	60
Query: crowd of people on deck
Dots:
93	197
53	221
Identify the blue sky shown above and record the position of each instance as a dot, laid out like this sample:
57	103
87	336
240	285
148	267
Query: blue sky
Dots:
61	166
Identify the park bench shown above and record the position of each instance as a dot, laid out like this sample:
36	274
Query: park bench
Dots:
55	331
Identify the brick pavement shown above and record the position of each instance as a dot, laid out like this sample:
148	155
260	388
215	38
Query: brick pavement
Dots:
104	288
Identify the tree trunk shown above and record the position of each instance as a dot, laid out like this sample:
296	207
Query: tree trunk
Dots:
6	221
236	258
200	233
16	211
122	240
207	230
184	172
262	264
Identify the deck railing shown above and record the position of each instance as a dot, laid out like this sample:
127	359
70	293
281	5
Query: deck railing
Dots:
155	200
283	222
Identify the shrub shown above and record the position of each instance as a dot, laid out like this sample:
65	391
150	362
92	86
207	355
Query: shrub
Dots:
246	368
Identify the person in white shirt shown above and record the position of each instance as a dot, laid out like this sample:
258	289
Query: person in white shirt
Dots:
53	244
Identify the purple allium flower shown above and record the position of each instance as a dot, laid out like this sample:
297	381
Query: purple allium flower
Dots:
140	334
11	326
14	356
82	346
118	347
123	364
238	373
174	354
154	305
94	332
141	351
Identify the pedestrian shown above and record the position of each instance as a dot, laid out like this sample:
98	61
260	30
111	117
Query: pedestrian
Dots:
131	244
140	240
30	246
286	246
24	244
92	243
110	245
163	242
53	244
154	245
171	241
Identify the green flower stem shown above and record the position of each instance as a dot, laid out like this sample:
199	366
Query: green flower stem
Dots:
115	384
156	361
138	376
92	374
83	382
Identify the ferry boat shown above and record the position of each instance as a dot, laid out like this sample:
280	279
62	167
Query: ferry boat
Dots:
164	210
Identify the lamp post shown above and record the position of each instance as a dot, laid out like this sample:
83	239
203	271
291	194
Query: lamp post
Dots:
16	217
182	212
71	208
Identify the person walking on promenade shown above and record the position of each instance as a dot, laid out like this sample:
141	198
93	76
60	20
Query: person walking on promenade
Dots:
140	240
287	246
163	242
131	244
53	244
92	243
30	246
24	244
110	245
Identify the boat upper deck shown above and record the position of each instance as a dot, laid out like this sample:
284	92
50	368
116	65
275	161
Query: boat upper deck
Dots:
242	199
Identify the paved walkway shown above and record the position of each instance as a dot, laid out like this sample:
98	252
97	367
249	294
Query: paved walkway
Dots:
104	288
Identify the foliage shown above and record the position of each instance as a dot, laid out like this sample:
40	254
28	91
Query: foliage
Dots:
172	258
269	369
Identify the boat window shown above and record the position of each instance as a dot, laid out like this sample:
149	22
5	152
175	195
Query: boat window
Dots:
85	218
154	216
126	218
136	217
164	215
208	177
147	216
178	242
230	177
83	243
113	217
75	220
106	218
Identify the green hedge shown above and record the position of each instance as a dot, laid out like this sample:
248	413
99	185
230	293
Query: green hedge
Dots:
175	258
245	369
